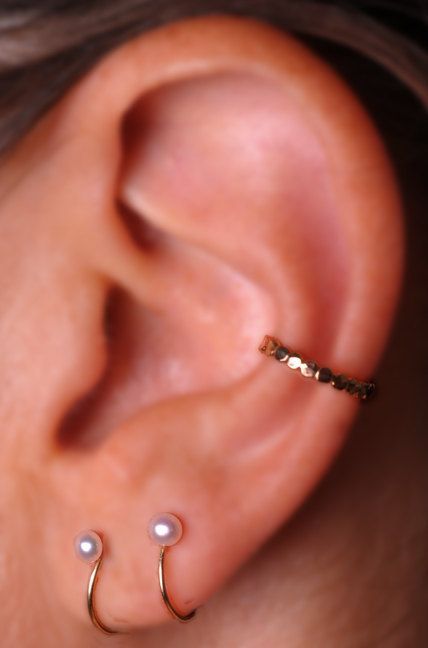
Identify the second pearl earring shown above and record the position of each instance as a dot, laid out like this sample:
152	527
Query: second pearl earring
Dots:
166	530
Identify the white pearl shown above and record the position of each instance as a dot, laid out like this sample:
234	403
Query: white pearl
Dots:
165	529
88	546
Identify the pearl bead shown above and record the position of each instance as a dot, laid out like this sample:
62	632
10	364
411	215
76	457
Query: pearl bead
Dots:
88	546
165	529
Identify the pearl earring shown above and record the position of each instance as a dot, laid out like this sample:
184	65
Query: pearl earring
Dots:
165	530
88	546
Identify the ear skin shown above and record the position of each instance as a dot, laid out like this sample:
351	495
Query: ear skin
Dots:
255	210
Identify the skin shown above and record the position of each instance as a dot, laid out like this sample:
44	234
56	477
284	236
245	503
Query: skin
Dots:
197	189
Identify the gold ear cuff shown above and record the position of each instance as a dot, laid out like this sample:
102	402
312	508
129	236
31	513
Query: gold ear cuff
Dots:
272	347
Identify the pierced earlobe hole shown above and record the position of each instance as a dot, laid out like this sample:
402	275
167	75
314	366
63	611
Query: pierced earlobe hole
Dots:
165	529
88	546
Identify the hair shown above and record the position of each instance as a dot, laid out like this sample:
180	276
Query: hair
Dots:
47	46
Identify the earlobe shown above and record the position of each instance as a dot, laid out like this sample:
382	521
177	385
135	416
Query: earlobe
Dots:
213	187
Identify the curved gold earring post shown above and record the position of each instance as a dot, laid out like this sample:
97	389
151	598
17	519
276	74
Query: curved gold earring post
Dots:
93	578
179	617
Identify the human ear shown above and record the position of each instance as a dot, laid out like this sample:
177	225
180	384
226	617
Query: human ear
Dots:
205	184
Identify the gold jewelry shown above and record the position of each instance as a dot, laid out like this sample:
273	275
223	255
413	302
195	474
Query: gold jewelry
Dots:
89	548
272	347
164	529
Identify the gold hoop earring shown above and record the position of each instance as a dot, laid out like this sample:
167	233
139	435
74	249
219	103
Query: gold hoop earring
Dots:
165	530
89	548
